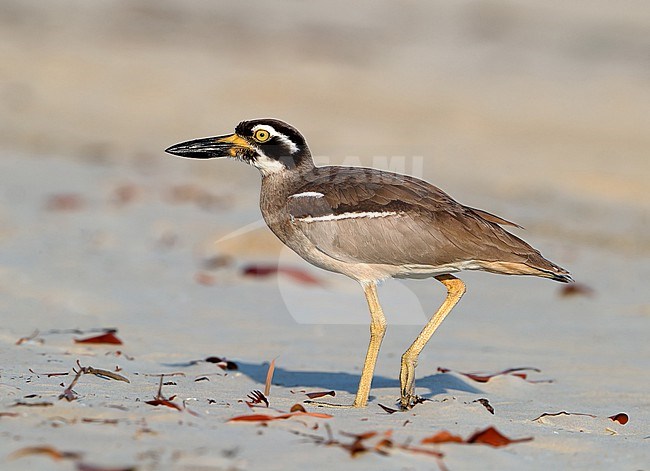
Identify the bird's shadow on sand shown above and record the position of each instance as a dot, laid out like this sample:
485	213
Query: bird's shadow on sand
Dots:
439	383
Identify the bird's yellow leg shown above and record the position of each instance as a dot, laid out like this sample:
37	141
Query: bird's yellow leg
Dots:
377	331
455	290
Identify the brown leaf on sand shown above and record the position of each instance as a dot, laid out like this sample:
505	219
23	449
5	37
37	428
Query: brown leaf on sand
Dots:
125	194
269	418
387	409
164	402
316	395
269	378
92	467
296	274
622	418
108	337
489	436
443	437
32	337
161	400
297	408
64	202
222	363
563	412
44	450
576	289
485	377
485	403
205	279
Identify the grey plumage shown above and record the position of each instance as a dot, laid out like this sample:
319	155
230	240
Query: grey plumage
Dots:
371	225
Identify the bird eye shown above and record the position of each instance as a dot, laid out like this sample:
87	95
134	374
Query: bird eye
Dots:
261	135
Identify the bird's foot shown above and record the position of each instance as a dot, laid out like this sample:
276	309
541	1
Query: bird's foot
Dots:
409	401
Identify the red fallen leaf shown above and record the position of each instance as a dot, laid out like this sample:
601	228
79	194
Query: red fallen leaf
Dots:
300	276
254	418
360	436
484	377
164	402
442	437
622	418
268	418
296	274
491	436
108	337
576	289
125	193
64	202
205	279
45	450
316	395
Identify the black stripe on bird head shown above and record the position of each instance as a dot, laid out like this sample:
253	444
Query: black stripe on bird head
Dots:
277	141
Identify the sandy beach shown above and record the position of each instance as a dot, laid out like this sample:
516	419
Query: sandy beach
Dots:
536	113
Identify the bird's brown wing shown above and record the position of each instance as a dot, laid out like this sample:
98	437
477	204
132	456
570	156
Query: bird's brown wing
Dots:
369	216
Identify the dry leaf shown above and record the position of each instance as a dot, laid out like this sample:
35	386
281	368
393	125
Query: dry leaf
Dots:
164	402
388	409
442	437
99	421
106	338
316	395
485	403
269	377
31	404
262	271
297	408
64	202
268	418
548	414
91	467
485	377
491	436
576	289
622	418
222	363
205	279
44	450
217	262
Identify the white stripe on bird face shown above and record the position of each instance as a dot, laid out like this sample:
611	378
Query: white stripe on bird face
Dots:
361	214
308	194
266	165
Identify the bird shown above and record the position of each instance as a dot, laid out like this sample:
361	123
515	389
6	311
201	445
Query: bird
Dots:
371	225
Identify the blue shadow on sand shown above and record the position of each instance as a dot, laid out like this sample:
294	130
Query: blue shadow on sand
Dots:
439	383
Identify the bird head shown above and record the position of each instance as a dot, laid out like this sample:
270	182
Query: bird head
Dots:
270	145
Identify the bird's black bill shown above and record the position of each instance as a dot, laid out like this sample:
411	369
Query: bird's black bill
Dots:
210	147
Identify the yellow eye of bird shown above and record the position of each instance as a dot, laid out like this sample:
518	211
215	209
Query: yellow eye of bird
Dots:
261	135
